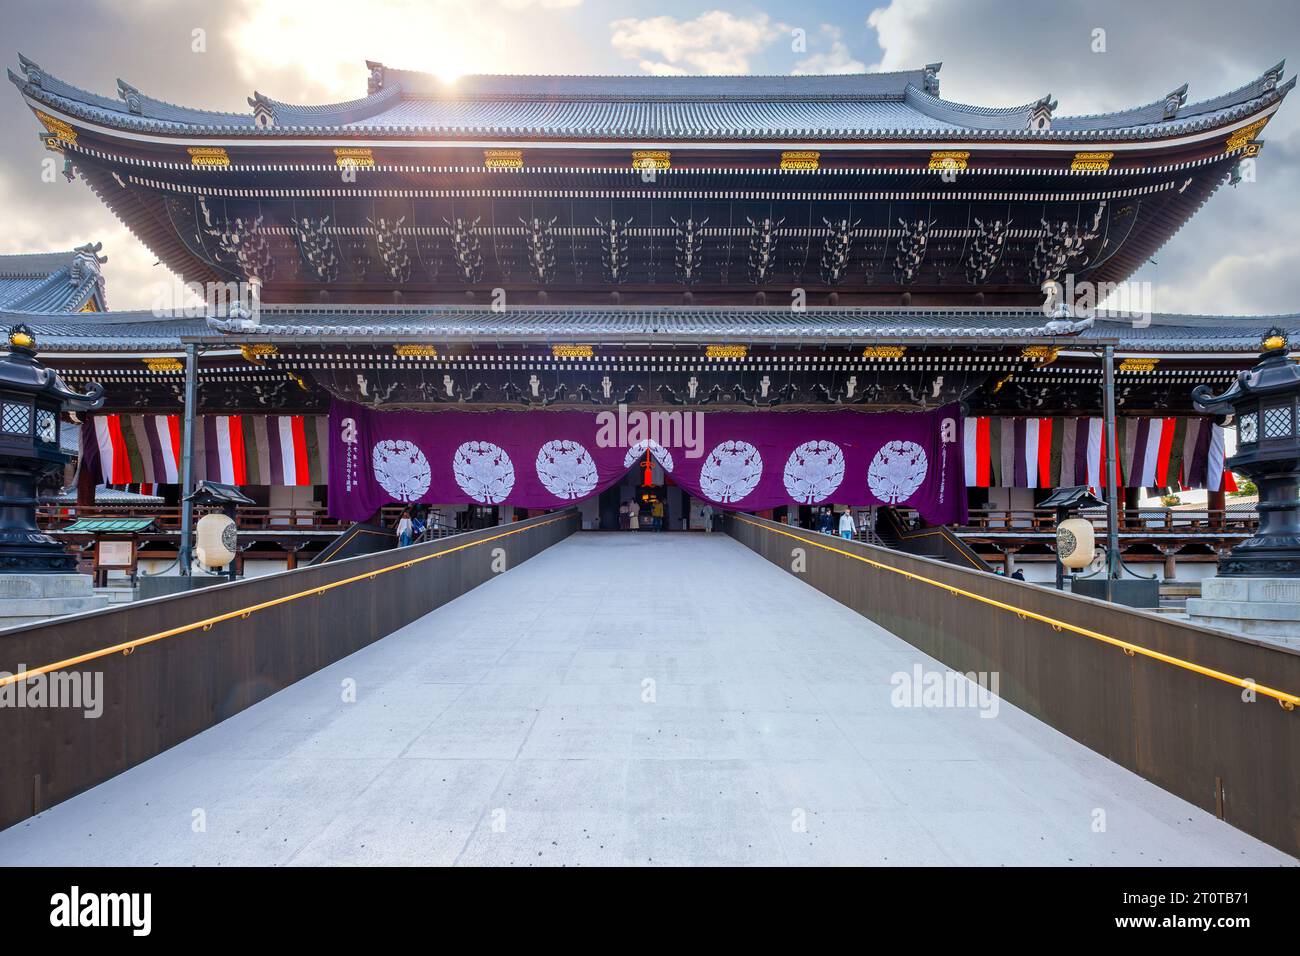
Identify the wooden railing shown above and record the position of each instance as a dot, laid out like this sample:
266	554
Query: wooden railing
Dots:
247	518
1146	521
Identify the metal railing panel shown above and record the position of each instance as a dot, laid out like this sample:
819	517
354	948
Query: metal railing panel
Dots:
177	665
1164	698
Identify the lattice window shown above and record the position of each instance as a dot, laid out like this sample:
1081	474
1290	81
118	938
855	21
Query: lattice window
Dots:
16	419
47	426
1277	422
1248	428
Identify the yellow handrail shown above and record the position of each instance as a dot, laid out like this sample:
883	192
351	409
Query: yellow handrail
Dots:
1288	701
127	647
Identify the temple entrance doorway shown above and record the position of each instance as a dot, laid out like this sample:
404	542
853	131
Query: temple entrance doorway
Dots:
647	486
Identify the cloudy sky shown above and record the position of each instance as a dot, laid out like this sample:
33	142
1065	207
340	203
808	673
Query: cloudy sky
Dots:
1237	255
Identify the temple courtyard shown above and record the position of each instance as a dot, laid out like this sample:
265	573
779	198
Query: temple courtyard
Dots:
629	699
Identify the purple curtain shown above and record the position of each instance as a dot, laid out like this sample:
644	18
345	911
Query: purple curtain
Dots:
743	461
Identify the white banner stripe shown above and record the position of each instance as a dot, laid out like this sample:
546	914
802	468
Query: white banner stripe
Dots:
225	459
285	427
105	443
971	444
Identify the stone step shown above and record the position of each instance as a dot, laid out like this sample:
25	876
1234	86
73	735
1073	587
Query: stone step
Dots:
27	586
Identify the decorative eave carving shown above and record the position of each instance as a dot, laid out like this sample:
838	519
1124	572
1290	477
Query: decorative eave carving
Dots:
58	130
1243	136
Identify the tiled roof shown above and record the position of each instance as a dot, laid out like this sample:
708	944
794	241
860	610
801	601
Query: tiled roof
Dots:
853	106
143	331
51	281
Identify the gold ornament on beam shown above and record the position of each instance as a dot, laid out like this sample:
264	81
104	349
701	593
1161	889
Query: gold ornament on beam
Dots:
257	353
726	351
1138	364
651	159
354	157
1242	137
949	159
503	158
58	129
164	365
1043	354
800	159
1091	162
208	156
884	351
415	351
572	351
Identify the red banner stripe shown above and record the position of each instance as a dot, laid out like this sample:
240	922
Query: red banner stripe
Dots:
983	467
302	474
238	462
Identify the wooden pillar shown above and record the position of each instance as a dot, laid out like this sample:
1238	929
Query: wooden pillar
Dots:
1133	508
1216	501
1171	564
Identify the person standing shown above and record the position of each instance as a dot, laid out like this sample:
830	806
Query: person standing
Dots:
622	516
847	528
404	529
657	512
633	515
706	518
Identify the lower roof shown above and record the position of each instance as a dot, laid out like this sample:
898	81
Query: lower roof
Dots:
142	331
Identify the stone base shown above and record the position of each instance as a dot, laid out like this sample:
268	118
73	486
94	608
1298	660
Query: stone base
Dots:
1257	607
1133	592
32	598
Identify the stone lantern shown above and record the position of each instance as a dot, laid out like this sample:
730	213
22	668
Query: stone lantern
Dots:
31	400
1257	590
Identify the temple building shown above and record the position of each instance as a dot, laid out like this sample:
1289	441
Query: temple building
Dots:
843	275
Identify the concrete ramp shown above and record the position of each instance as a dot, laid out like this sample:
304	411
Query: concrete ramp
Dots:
632	699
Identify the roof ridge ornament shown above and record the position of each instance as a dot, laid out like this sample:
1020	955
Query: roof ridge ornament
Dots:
1040	114
932	78
1174	101
263	110
32	71
130	96
376	81
1273	76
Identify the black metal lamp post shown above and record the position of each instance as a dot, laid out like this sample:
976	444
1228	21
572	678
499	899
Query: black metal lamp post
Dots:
31	399
1266	403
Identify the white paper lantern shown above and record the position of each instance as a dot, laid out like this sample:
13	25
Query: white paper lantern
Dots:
215	540
1076	542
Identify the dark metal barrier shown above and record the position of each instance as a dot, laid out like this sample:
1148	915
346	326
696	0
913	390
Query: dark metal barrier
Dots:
177	665
1161	697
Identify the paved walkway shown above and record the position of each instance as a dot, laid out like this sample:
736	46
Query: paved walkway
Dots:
628	699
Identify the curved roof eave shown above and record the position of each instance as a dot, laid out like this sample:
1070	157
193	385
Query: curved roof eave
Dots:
941	119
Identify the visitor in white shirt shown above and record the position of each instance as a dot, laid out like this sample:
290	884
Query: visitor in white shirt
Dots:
847	527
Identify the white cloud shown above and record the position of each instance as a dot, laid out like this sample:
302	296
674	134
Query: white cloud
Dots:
714	42
332	38
837	59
